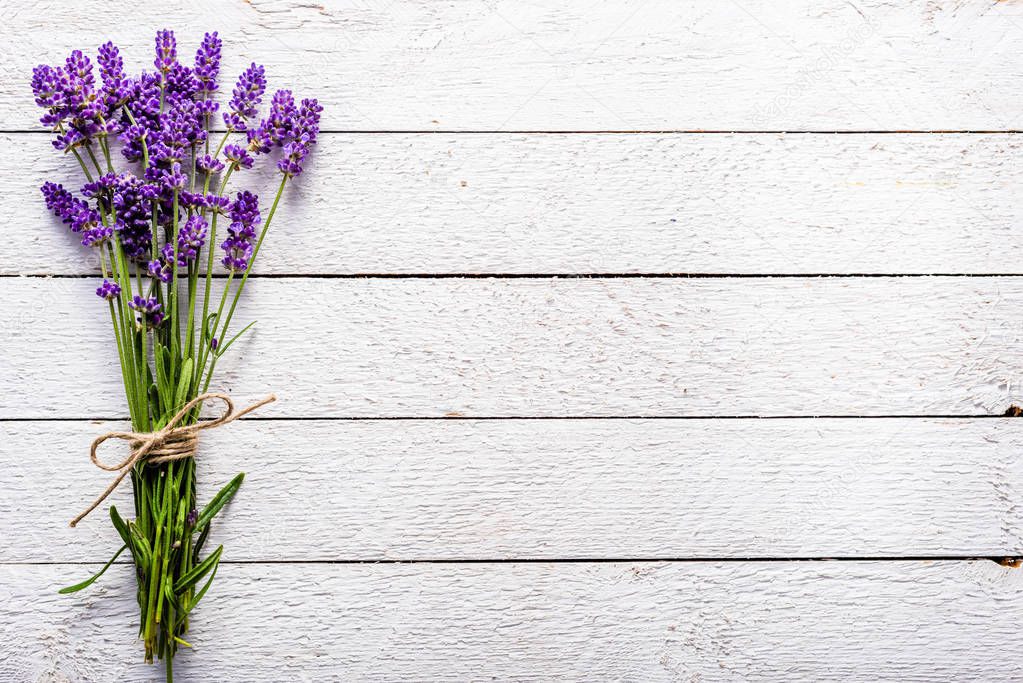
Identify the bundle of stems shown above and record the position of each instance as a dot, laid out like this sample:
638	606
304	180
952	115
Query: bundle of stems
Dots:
154	226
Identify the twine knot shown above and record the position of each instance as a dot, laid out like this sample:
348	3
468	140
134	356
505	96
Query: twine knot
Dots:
168	444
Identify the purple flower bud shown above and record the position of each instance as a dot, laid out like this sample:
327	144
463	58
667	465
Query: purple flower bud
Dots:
161	270
191	238
133	206
238	246
79	71
166	50
108	290
48	86
277	128
238	156
181	84
193	515
209	164
207	63
217	204
111	70
96	235
260	140
246	97
307	123
291	163
149	309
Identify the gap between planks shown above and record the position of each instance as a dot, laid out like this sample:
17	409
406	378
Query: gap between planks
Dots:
547	276
650	131
470	418
1005	561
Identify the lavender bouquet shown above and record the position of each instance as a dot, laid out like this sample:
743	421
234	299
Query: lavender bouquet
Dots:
149	222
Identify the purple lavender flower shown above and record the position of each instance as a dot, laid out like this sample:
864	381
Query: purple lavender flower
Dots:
134	215
305	128
48	86
307	123
180	83
171	179
144	104
245	97
218	204
73	212
293	128
116	89
207	63
209	164
62	203
80	107
79	71
166	51
149	309
291	163
108	290
276	129
238	156
161	269
191	238
162	118
96	235
181	127
100	188
241	233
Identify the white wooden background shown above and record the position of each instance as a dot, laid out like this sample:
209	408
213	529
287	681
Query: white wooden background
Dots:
633	340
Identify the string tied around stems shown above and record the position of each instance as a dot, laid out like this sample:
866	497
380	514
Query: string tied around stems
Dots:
172	442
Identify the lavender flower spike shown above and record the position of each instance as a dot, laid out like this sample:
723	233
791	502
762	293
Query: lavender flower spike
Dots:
108	290
166	51
116	89
241	233
245	98
149	309
207	63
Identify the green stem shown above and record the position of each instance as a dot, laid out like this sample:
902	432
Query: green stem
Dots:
202	353
245	277
173	296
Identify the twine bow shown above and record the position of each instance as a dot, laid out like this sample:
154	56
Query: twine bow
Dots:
166	445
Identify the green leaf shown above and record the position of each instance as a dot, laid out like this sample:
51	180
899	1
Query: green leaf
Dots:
199	543
88	582
183	383
221	350
140	546
208	331
122	528
190	605
162	381
222	498
171	598
189	578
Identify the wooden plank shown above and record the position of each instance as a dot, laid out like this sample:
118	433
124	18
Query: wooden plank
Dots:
555	347
437	203
856	621
499	65
553	489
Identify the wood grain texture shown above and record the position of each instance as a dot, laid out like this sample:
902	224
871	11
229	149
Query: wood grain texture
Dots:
553	489
903	621
554	347
502	65
436	203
